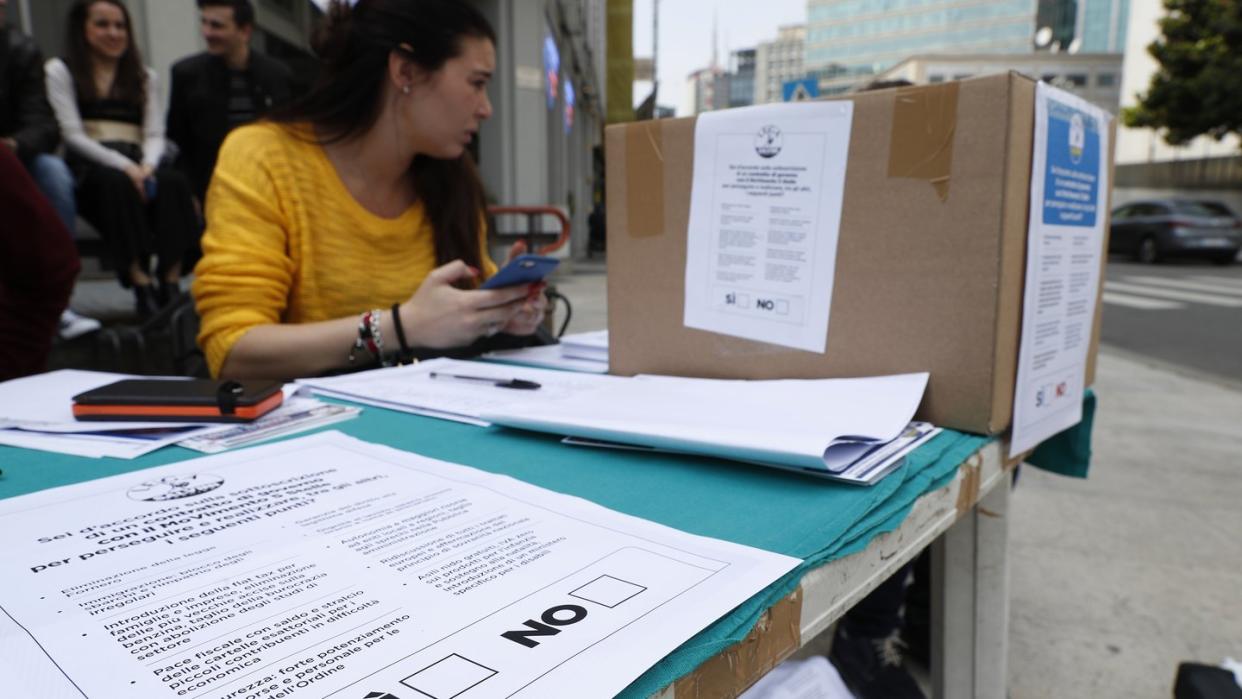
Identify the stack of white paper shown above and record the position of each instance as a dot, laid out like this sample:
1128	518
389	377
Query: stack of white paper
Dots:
592	346
849	429
36	412
413	389
584	352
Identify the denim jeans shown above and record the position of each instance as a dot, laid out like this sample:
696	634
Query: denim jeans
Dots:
52	176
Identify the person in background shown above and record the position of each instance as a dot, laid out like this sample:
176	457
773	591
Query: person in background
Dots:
352	223
107	106
224	87
38	263
28	130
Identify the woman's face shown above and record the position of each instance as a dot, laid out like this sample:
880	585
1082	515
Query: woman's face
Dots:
445	108
106	32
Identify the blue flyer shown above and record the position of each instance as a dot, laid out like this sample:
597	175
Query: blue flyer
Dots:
1072	167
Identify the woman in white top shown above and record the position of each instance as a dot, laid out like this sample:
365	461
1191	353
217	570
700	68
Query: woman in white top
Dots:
108	110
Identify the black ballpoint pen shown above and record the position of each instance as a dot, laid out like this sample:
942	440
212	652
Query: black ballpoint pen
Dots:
520	384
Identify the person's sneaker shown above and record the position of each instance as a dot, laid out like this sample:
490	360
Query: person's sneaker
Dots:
73	325
872	667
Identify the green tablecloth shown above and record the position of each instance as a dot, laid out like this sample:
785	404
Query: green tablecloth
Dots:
814	520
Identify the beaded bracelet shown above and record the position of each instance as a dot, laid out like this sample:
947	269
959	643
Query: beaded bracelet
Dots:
369	337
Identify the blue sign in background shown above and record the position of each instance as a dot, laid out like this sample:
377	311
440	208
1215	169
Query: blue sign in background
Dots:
1072	167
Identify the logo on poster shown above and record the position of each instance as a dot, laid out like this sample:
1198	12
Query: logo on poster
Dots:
175	487
1077	138
768	141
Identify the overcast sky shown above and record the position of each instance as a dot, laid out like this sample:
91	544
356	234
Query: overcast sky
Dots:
686	36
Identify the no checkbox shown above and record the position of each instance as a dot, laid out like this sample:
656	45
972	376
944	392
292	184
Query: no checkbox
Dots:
448	677
607	591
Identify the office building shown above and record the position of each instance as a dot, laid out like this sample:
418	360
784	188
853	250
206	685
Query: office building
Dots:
1103	25
1094	77
778	61
547	94
706	90
741	80
863	39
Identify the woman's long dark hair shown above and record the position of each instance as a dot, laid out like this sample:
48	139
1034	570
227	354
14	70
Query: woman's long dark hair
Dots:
130	84
346	100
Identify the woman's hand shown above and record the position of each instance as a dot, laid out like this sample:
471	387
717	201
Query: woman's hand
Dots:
530	313
138	175
440	315
528	318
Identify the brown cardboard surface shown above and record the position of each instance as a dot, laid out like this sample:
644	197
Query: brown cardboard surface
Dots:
922	284
775	637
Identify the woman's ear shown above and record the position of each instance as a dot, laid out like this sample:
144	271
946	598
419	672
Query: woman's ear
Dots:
402	72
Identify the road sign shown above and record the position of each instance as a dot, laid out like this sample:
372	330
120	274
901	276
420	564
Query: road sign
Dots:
800	90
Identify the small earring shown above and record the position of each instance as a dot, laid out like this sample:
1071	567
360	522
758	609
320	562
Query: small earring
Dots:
405	89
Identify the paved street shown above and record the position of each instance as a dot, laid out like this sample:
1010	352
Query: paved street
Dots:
1184	313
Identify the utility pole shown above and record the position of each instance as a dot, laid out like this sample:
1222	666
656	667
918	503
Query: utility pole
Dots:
655	55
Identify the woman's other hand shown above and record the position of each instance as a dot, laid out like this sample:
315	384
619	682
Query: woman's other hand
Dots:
530	313
440	316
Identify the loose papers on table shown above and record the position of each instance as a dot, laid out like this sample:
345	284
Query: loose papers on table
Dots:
36	413
815	425
585	352
326	564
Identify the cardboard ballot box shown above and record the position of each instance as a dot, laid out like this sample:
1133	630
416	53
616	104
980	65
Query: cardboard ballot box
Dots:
930	258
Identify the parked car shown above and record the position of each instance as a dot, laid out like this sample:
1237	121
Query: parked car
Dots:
1155	229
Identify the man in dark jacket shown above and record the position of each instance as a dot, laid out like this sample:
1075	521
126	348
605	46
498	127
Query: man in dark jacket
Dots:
226	86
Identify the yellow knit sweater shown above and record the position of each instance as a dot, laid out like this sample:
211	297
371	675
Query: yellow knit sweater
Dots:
287	243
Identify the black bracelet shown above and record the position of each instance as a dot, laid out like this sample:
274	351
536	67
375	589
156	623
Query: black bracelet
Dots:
405	351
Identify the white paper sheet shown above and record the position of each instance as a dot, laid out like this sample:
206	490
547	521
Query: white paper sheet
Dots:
765	214
116	445
791	422
549	357
45	401
411	388
324	564
1065	248
590	345
296	414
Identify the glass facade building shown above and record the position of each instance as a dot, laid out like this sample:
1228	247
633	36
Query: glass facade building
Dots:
869	36
1103	26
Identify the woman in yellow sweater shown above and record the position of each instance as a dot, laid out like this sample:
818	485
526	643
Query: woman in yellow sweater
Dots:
352	223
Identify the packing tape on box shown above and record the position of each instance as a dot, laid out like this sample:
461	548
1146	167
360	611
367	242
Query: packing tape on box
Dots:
921	143
776	636
644	183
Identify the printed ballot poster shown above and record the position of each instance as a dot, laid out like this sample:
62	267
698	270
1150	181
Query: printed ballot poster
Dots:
765	215
1065	248
326	566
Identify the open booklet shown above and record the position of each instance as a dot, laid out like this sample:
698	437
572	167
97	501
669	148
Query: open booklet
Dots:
819	426
880	459
841	428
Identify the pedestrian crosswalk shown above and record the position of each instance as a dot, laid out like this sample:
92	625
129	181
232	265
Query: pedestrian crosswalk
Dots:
1153	293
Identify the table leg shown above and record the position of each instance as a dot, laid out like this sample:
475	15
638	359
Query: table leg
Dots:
970	602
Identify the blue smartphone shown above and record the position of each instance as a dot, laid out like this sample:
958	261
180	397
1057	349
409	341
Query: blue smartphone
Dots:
523	269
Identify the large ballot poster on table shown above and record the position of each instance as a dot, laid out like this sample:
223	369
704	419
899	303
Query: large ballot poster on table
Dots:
326	566
1065	247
